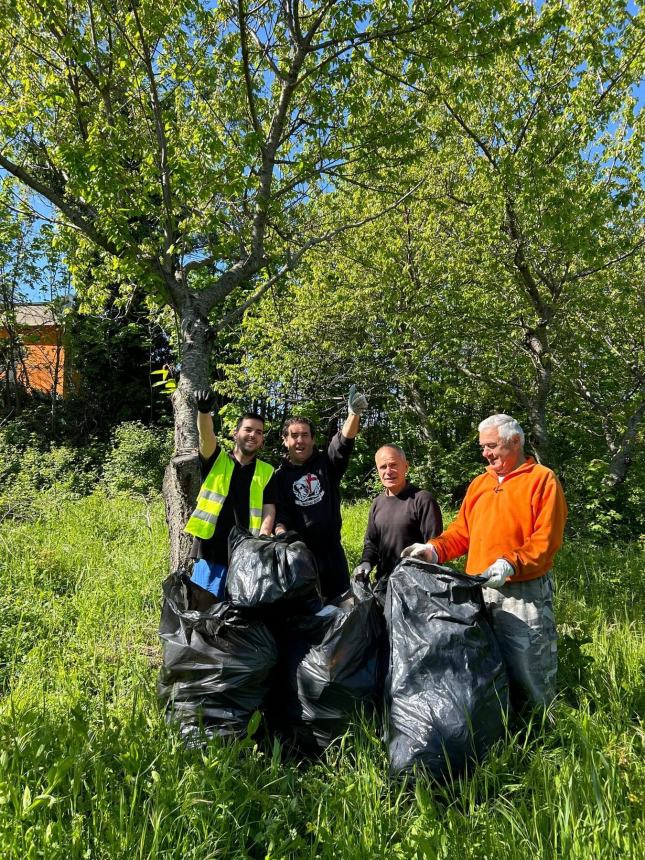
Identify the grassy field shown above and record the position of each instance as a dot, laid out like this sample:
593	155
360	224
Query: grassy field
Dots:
88	769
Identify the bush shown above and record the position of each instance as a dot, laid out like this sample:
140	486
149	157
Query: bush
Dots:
598	511
136	459
30	465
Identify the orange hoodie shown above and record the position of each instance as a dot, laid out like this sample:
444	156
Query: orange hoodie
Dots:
520	519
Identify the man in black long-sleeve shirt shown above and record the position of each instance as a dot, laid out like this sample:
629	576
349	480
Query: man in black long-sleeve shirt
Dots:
398	514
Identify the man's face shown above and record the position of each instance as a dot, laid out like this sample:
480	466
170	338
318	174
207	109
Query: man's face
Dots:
502	455
299	443
392	469
249	436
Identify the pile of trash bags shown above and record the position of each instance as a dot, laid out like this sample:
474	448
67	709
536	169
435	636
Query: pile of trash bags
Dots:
420	644
270	645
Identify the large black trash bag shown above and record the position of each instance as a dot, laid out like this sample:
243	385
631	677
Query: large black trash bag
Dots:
216	663
447	687
272	575
328	670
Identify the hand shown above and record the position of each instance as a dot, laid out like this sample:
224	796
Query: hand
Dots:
362	572
424	551
356	403
205	400
498	573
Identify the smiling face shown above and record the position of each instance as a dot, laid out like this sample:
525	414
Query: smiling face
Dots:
392	468
502	455
299	443
249	437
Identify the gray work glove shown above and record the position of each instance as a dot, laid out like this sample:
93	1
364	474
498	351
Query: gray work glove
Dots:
205	400
498	573
423	551
356	403
362	572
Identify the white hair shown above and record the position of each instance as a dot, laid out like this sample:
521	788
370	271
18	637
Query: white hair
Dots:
507	427
399	450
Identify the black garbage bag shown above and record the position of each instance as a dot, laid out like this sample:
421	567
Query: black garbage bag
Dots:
216	662
272	575
447	687
329	669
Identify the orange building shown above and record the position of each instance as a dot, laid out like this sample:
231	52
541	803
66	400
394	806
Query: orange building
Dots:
41	365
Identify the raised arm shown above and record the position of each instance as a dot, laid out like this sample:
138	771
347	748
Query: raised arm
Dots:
205	400
356	405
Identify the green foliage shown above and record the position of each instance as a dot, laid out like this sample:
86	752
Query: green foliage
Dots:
490	152
30	463
112	353
88	767
505	283
136	459
166	384
607	514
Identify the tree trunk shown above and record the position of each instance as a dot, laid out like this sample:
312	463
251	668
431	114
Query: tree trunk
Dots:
622	457
537	344
182	477
538	432
417	407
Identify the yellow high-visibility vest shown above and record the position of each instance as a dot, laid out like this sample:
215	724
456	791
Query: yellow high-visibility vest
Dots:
214	491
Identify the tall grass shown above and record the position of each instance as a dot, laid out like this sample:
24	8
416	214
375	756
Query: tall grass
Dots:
88	768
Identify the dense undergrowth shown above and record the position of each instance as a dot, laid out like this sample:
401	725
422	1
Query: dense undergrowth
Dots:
88	768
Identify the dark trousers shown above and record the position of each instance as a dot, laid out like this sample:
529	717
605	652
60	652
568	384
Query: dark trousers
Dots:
332	570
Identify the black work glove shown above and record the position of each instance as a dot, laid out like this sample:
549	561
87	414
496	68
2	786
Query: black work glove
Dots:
205	400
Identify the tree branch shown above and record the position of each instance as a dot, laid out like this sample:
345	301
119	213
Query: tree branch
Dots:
170	232
61	203
294	259
584	273
241	20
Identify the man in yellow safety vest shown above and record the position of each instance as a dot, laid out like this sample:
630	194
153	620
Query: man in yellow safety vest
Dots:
237	488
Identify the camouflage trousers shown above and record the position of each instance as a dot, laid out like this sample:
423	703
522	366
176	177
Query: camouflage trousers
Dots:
521	615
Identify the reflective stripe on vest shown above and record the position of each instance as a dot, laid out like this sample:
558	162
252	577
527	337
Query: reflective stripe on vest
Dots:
214	491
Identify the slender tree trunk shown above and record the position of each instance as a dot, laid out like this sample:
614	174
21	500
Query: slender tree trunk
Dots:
536	341
182	477
417	407
622	456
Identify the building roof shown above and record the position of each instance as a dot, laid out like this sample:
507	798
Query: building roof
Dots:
35	315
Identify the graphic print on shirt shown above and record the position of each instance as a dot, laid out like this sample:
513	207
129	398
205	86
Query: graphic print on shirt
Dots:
308	491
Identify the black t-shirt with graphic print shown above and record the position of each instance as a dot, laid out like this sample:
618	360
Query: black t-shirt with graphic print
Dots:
237	502
309	494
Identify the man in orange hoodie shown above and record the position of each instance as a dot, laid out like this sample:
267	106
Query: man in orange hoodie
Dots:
511	524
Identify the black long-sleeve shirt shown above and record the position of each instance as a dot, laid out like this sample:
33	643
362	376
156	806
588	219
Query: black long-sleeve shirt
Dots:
412	516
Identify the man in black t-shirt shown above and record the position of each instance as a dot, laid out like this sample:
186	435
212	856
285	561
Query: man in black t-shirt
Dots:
308	485
211	553
400	516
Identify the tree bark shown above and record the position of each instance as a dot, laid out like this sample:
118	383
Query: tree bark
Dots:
182	477
622	457
536	342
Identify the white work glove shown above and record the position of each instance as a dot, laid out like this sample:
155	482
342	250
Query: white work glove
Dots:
424	551
498	573
356	403
362	572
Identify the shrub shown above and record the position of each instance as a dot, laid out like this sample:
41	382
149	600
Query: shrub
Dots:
30	465
136	459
